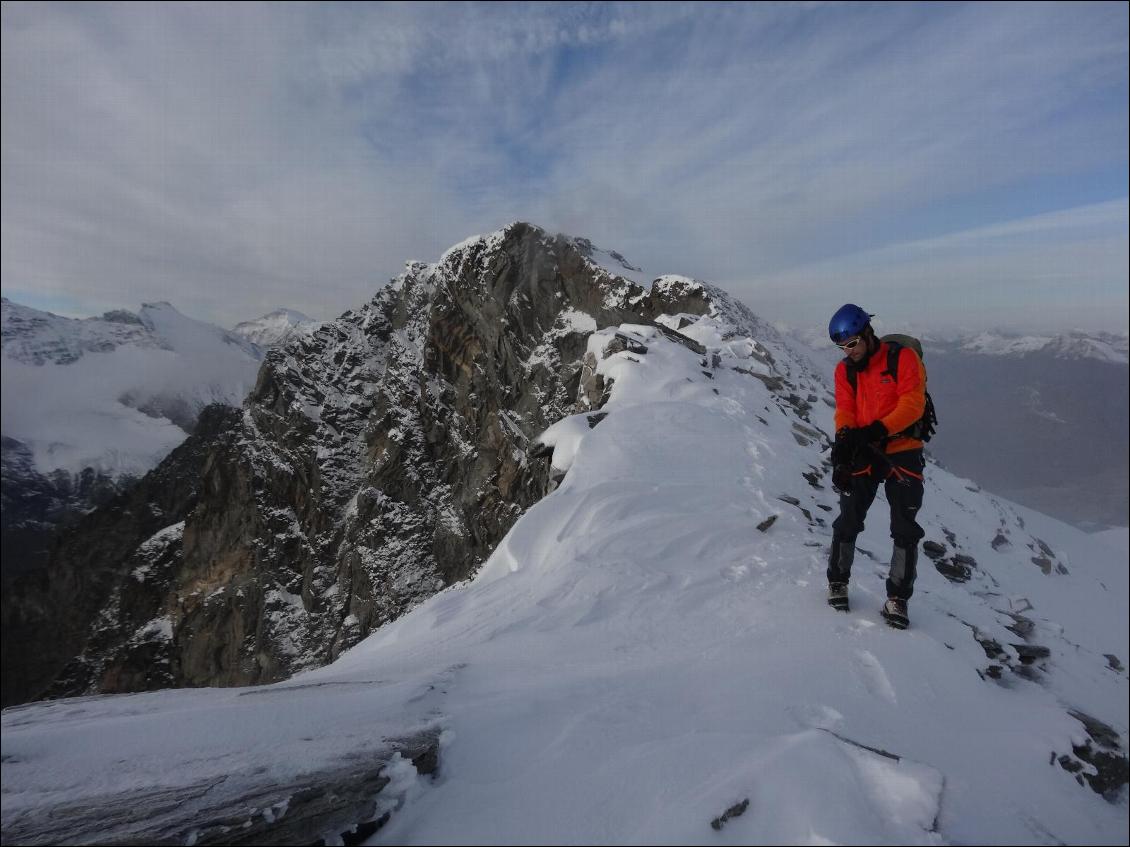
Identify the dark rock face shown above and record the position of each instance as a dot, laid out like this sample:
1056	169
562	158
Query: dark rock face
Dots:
376	461
1099	761
48	613
35	506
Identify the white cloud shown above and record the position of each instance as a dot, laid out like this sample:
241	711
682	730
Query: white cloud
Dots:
232	158
1046	271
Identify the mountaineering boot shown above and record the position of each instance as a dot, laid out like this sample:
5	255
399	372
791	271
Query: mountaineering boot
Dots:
838	596
894	610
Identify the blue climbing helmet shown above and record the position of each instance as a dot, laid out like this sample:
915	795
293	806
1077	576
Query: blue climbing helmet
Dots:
849	321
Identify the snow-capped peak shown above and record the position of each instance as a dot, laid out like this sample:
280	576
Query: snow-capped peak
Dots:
275	328
35	337
1105	347
608	260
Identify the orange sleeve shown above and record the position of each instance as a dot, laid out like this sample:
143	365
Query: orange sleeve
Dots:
911	393
845	399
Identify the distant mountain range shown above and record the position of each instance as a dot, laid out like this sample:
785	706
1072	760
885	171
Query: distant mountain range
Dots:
1101	346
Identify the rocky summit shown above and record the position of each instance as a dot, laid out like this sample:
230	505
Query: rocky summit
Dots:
377	460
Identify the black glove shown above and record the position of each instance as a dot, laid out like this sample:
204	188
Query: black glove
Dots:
841	455
874	432
842	479
856	438
850	440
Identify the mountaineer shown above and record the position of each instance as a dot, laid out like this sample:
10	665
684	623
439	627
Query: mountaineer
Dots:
883	415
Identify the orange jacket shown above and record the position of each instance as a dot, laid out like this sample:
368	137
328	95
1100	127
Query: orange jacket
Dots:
878	397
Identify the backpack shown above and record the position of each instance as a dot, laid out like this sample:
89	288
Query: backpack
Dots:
924	428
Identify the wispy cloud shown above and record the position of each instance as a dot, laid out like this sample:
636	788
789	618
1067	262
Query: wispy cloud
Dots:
236	157
1049	272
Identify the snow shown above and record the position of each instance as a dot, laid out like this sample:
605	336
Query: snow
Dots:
463	246
1104	347
615	264
157	629
994	345
71	417
565	438
161	539
74	391
154	546
458	253
575	321
637	657
1117	537
275	328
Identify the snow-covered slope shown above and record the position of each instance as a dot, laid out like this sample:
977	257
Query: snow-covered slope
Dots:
647	657
275	328
114	393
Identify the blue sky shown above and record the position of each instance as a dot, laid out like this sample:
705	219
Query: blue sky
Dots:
941	164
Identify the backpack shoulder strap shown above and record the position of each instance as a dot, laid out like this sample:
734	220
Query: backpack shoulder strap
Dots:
893	351
894	348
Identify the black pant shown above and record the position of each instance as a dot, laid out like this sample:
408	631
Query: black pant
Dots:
901	475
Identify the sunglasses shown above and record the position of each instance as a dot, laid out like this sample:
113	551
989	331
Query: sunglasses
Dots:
849	345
